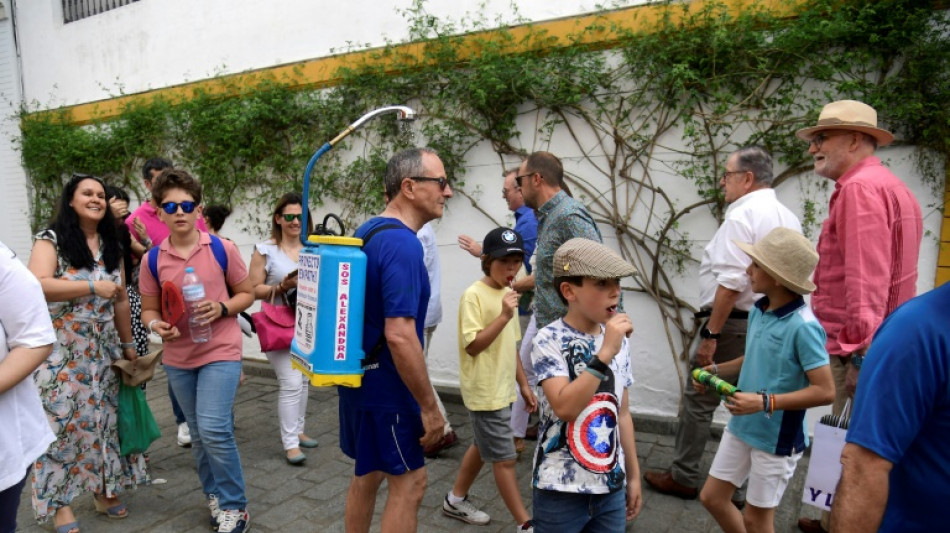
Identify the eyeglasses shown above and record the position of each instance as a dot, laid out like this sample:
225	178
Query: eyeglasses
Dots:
441	181
518	178
290	218
725	175
505	192
172	207
819	139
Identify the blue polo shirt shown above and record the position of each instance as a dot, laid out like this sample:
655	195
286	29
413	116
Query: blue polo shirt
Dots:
902	411
781	345
526	224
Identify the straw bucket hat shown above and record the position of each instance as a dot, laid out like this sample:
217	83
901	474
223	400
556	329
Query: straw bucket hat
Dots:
848	115
787	256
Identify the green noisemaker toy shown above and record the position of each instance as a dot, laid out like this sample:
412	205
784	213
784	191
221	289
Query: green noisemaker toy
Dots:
721	387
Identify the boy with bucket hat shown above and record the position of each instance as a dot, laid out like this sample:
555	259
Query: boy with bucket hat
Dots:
586	476
784	372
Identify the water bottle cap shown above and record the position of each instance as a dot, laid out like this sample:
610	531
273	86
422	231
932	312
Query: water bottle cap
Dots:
189	270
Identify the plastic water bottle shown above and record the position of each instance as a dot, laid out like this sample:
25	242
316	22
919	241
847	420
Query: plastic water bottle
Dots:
193	292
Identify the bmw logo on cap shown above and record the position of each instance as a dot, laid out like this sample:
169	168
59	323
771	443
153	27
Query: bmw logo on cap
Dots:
508	236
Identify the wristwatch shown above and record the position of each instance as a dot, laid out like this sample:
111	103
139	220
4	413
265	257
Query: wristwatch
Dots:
224	309
857	361
706	334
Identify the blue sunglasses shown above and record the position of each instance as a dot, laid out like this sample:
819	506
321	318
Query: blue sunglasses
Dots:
172	207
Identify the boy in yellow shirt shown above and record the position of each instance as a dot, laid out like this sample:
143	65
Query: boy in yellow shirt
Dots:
488	363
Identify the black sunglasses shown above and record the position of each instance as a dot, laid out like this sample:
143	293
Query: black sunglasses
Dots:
441	181
518	178
172	207
290	218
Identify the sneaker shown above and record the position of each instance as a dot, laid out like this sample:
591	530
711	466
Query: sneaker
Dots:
527	527
234	521
215	510
184	436
465	511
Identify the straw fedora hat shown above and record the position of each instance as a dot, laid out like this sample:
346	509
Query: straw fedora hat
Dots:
848	115
787	256
134	373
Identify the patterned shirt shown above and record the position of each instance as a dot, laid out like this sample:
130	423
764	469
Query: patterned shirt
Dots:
560	219
583	456
868	252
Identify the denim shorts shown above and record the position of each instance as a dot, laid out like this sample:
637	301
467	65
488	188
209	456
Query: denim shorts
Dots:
383	442
493	436
568	512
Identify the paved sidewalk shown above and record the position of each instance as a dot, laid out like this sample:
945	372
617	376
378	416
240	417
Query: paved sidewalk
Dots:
311	498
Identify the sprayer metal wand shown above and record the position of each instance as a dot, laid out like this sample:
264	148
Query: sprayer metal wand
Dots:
403	113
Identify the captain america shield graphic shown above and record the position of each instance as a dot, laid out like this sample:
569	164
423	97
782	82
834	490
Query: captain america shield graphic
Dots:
592	436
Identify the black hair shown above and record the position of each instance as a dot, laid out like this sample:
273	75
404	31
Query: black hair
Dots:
70	239
216	215
155	163
577	281
116	192
487	261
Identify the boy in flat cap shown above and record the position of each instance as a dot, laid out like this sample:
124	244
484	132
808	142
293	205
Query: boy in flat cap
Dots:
784	372
586	475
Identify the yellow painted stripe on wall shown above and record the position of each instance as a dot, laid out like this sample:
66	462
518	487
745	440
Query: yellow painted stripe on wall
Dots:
321	72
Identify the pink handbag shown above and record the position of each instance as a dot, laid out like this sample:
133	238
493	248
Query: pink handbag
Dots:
275	325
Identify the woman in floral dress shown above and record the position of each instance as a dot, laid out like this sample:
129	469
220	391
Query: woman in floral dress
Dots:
78	261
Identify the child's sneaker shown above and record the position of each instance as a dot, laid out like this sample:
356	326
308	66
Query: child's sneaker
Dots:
465	511
215	510
527	527
234	521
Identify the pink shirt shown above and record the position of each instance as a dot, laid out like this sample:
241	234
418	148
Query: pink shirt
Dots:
868	252
226	342
156	229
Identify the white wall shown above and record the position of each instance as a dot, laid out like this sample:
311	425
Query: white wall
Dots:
153	44
15	226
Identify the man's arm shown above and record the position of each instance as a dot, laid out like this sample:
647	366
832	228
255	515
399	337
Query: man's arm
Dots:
406	349
861	495
723	304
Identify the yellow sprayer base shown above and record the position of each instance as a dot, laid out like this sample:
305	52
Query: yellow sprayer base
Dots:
327	380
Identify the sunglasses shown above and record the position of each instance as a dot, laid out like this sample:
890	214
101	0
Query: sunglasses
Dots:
819	139
518	178
290	218
441	181
172	207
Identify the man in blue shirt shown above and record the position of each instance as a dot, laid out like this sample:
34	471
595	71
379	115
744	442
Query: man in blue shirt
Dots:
526	224
895	467
385	423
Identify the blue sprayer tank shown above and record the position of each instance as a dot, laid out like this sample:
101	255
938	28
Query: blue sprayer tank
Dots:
331	293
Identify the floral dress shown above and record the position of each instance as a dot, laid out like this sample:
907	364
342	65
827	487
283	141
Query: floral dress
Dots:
79	391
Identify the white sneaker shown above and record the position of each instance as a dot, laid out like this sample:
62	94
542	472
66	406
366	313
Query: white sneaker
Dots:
215	510
184	436
234	521
465	511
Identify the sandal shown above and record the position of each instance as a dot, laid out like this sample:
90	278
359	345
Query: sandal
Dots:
117	511
72	527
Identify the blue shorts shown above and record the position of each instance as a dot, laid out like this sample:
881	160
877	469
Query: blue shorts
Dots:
385	442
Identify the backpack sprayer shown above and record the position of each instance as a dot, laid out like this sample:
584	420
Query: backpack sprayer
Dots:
328	345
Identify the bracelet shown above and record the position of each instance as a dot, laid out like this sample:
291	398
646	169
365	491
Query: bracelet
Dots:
125	345
765	402
771	404
597	365
595	373
152	323
224	309
715	369
92	288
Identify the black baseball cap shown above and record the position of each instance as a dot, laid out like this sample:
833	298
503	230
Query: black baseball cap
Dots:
501	242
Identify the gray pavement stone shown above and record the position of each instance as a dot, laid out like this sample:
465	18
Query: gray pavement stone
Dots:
312	497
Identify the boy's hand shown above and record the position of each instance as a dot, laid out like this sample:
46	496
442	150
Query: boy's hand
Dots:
634	498
530	400
699	387
618	327
140	233
509	304
744	403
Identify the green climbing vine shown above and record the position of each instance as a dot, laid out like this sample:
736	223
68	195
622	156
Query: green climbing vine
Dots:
654	111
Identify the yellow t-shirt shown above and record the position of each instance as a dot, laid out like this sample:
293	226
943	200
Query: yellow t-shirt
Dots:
487	379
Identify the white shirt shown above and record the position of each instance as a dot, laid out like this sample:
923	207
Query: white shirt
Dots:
25	322
430	256
748	219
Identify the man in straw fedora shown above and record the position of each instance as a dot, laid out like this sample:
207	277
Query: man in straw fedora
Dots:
725	300
868	246
783	372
